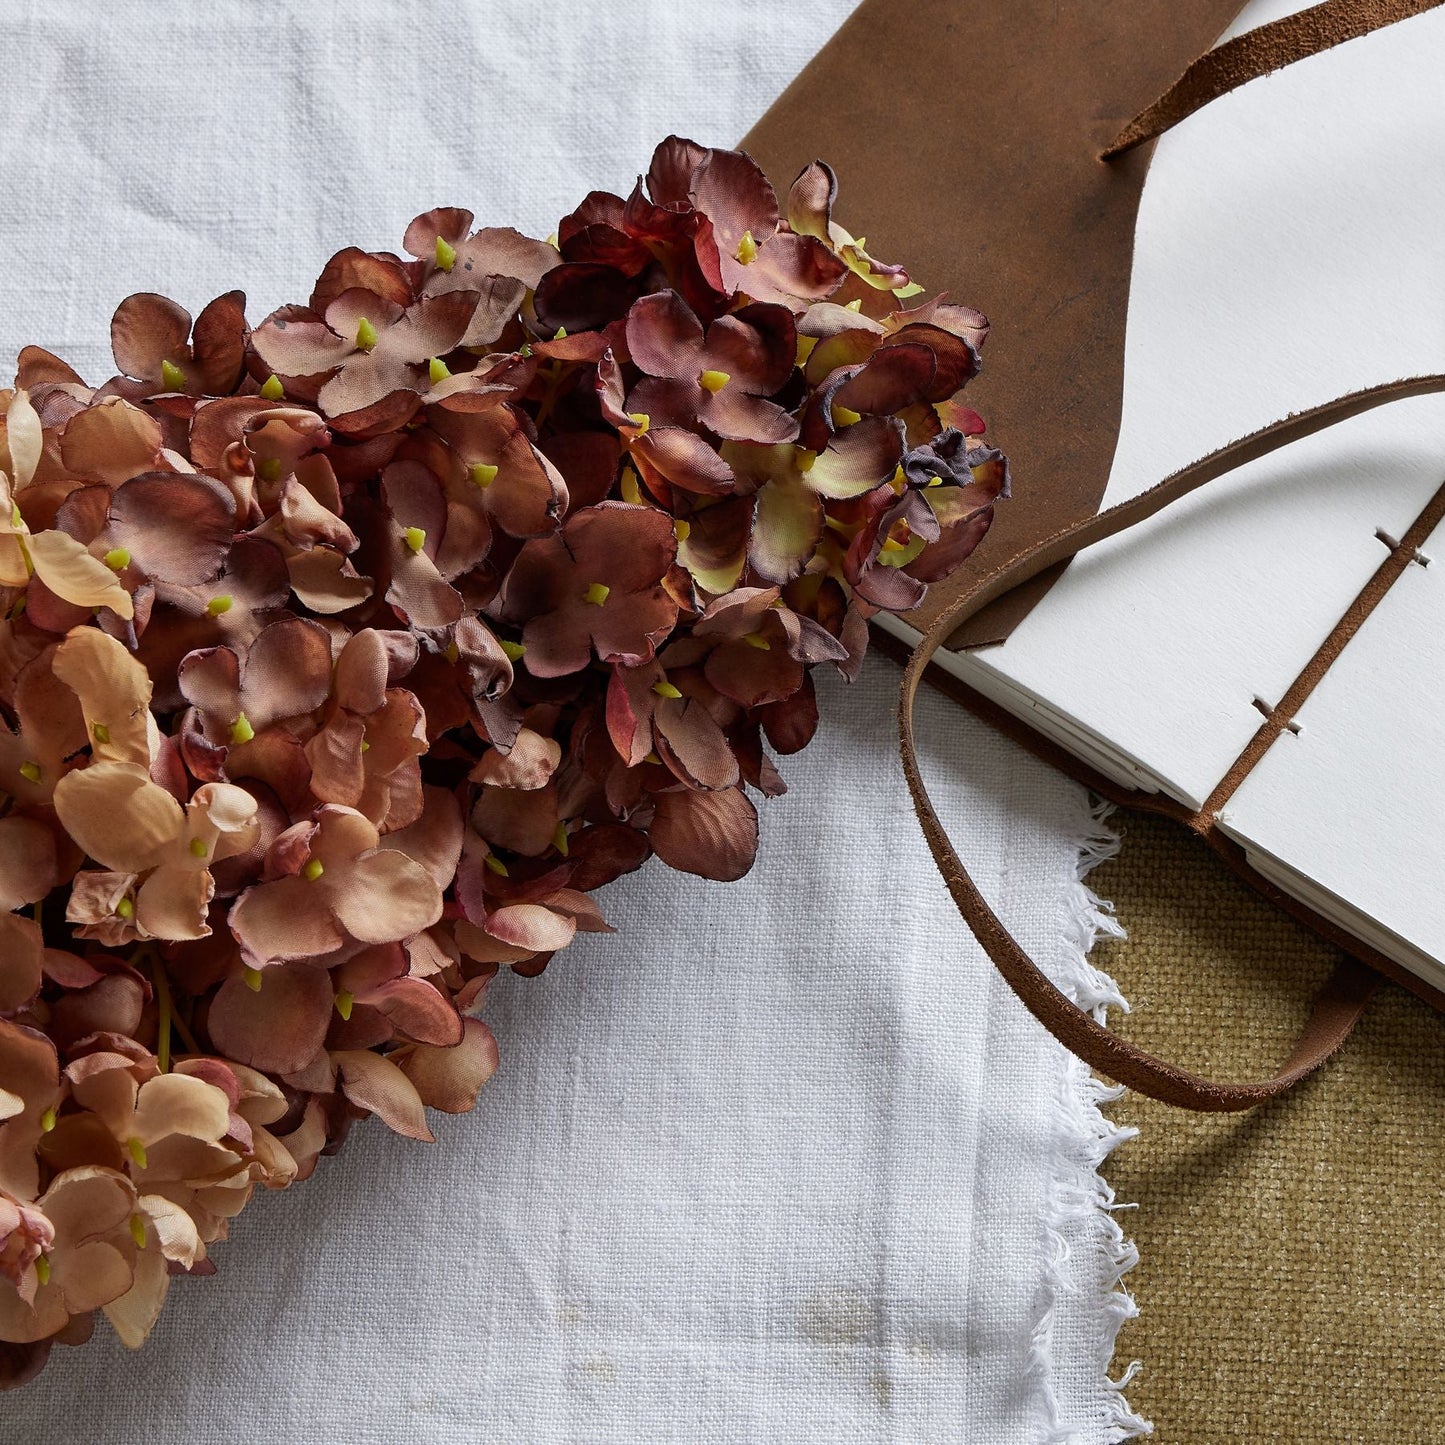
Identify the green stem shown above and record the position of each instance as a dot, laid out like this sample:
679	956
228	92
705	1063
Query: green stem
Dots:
164	1005
554	383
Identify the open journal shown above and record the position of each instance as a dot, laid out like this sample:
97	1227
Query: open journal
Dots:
1306	263
1173	659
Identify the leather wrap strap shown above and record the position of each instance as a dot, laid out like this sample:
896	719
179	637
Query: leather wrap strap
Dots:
1343	1000
1259	52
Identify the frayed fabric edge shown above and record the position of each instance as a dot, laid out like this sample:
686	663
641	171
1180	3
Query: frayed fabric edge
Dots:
1080	1207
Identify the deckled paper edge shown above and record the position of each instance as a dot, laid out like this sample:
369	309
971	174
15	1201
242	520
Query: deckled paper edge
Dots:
1080	1204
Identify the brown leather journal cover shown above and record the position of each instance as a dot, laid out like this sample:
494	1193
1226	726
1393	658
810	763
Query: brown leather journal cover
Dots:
928	126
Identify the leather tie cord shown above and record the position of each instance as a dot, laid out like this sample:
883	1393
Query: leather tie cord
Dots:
1343	1000
1258	52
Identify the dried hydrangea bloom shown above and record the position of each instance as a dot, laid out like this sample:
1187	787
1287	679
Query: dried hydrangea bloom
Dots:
341	661
594	589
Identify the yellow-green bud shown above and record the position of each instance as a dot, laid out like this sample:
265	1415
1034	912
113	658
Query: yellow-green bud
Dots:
221	604
313	870
172	377
483	474
846	416
560	334
138	1231
100	732
437	370
756	639
804	459
344	1000
446	254
514	650
682	529
125	908
252	977
415	538
666	689
30	772
714	381
47	1120
559	839
365	335
269	469
137	1152
747	251
271	388
42	1269
640	420
597	593
496	865
198	848
241	730
117	559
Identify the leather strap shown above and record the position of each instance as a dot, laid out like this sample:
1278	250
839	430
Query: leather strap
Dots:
1343	1000
1259	52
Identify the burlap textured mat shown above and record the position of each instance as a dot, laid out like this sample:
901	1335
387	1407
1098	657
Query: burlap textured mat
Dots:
1290	1283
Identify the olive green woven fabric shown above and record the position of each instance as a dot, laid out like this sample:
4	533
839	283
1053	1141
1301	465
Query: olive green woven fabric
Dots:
1290	1283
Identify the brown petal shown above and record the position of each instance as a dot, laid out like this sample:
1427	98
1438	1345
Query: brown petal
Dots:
145	331
176	528
22	952
810	200
280	1027
111	441
450	1079
285	919
417	1009
531	926
219	344
857	459
385	897
27	869
530	763
352	268
294	342
375	1083
692	743
665	337
326	582
288	671
714	835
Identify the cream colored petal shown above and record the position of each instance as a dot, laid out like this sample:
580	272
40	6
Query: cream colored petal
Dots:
172	903
181	1104
117	815
75	576
175	1230
14	569
377	1084
24	440
134	1314
114	691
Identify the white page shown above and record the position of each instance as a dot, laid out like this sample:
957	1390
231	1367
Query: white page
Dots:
1355	801
1291	247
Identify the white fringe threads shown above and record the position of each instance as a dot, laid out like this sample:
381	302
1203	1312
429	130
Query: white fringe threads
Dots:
1080	1210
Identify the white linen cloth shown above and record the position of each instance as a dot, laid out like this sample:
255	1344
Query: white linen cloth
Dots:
782	1160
